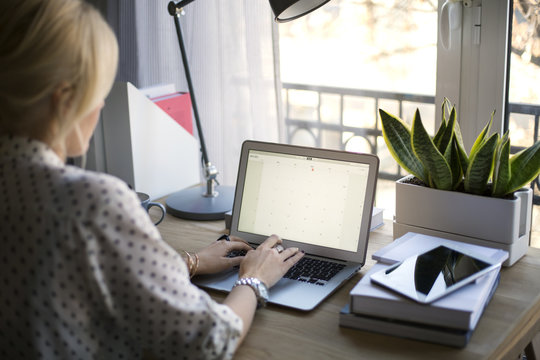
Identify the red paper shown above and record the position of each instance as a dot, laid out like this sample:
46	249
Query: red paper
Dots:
178	106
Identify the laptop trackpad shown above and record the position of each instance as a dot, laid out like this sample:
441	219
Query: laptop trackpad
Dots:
222	281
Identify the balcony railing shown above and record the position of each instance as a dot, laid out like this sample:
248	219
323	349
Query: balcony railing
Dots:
308	119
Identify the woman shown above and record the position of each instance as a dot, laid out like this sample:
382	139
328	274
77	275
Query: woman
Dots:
84	272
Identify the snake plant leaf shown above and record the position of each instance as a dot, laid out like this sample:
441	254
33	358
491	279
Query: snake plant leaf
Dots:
446	138
501	173
455	165
398	139
430	156
438	135
480	166
482	136
446	105
452	158
445	109
458	138
524	167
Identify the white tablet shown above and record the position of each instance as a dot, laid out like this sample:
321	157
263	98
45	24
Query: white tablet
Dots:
431	275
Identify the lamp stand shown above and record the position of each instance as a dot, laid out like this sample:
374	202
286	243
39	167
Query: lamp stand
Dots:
205	202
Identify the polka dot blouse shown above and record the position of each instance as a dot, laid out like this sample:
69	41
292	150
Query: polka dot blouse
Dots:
84	274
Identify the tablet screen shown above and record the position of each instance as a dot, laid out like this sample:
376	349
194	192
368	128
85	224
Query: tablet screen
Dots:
433	274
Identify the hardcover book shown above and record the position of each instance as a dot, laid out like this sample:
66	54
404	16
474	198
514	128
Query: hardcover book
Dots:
405	329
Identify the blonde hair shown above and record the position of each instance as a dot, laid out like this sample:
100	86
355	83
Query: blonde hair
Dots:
57	57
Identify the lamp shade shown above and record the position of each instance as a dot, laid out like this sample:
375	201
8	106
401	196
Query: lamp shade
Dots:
286	10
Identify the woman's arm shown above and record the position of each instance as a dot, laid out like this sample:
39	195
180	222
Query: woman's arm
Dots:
266	264
243	302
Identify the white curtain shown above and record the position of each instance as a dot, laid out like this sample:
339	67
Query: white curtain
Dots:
231	55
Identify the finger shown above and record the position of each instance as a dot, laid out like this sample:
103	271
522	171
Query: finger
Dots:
271	242
235	261
239	245
293	260
288	252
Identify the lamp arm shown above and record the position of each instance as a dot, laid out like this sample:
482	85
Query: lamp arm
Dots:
190	85
210	171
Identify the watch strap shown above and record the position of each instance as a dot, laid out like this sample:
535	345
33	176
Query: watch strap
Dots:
260	289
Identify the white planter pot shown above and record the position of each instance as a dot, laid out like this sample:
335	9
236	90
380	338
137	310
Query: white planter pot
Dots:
481	220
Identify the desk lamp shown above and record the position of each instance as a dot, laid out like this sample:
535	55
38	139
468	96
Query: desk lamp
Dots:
211	201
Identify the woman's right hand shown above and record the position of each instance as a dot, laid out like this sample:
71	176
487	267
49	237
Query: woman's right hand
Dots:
267	264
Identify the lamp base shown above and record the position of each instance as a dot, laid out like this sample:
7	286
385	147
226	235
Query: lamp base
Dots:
191	203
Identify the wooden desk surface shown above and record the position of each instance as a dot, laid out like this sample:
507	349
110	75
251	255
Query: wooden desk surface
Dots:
508	324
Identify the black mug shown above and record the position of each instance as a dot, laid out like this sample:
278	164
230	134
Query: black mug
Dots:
147	204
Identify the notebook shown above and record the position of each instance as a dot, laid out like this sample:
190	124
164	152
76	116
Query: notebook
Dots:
315	199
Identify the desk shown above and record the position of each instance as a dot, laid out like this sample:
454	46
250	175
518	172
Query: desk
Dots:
508	324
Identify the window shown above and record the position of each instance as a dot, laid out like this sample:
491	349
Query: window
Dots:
342	63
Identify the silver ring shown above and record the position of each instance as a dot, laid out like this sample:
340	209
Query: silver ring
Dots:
279	248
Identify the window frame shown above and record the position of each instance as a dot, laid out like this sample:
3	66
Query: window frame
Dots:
475	77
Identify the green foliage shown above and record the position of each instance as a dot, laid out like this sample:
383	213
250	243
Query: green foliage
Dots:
501	172
440	175
480	166
399	142
441	161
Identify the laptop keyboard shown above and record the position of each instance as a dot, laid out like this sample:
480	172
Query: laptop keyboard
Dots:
236	253
310	270
314	271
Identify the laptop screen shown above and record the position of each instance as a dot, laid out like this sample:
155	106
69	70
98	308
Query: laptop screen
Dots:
316	201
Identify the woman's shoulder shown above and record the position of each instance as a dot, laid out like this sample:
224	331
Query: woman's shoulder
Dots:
86	181
90	191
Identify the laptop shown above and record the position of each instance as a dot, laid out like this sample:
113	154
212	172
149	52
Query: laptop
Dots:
315	199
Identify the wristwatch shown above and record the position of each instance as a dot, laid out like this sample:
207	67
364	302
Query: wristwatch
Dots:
261	291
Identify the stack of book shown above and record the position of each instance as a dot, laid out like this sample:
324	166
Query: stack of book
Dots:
450	320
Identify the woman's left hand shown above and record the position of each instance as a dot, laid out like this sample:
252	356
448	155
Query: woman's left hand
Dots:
213	258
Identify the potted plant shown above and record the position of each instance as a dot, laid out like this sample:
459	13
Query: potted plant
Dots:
477	198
